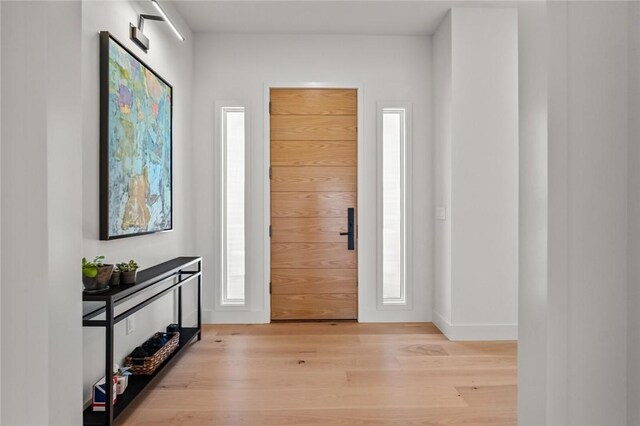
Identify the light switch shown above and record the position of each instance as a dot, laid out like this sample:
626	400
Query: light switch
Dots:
441	213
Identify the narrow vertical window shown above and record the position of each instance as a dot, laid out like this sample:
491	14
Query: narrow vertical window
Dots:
393	168
233	205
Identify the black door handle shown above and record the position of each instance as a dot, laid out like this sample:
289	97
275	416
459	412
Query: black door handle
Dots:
351	240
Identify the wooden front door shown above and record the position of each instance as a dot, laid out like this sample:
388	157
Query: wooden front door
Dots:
314	138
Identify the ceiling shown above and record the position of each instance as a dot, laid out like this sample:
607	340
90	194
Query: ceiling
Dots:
364	17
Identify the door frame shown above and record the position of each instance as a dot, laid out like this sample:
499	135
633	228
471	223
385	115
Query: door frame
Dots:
267	182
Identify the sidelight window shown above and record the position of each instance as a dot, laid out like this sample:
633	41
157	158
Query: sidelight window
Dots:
393	133
233	205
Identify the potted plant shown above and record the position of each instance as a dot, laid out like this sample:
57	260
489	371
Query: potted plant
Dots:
95	274
129	271
115	276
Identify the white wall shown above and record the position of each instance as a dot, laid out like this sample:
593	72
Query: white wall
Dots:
442	109
485	168
0	216
555	330
633	366
173	60
50	198
236	67
481	175
588	140
532	289
41	211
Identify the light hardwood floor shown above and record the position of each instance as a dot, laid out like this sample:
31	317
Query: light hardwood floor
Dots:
334	373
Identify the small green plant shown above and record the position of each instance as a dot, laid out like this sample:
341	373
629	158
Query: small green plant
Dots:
90	269
128	267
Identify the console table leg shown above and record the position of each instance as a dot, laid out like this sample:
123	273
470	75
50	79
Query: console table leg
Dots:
199	304
108	367
180	307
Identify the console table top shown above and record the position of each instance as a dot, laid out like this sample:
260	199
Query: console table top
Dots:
146	278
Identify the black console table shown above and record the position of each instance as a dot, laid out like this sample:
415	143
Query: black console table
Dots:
181	270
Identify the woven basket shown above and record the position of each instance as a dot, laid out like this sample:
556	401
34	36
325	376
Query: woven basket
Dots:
149	364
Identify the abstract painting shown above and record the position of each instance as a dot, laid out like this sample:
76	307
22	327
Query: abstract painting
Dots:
136	145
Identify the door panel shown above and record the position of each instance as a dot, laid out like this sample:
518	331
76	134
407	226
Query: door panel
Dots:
312	255
313	153
311	204
313	306
327	179
308	229
314	127
314	281
313	102
313	183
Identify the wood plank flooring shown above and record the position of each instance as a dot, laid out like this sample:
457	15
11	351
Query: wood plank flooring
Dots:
333	374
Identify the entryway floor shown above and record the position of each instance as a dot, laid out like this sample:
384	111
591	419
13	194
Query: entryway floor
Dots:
334	373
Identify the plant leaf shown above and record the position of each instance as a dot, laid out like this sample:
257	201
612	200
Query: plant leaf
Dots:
90	271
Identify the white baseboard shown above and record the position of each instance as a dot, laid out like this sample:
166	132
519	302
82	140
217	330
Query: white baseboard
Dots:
210	316
475	331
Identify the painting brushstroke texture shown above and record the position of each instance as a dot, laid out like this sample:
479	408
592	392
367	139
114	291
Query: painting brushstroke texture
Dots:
139	147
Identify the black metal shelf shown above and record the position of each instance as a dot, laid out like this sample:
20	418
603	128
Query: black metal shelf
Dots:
154	278
137	384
